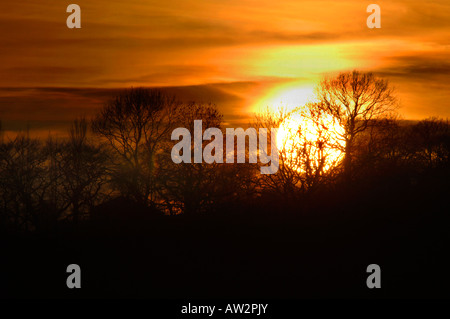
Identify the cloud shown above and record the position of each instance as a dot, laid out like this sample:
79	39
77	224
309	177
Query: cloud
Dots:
55	108
186	44
417	66
421	82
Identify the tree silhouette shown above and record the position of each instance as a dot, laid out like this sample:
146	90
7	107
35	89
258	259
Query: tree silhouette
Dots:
78	171
306	145
134	124
288	180
24	182
191	187
354	99
430	142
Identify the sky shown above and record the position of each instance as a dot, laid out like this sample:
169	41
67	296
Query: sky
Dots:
238	54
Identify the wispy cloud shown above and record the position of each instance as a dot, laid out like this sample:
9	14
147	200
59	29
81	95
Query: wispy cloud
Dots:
192	43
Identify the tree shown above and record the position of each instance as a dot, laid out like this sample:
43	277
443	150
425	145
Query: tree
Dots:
354	99
23	182
306	144
134	124
288	178
191	187
379	149
430	142
78	170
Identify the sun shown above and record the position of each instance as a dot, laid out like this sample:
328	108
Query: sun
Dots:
309	142
306	139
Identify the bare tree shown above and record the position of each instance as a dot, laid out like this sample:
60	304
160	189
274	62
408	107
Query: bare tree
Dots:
306	149
134	124
430	142
354	99
78	171
192	187
288	179
23	182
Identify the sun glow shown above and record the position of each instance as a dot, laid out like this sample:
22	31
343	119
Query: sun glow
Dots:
308	140
288	96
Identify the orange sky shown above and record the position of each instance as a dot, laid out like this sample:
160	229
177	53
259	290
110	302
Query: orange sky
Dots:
230	52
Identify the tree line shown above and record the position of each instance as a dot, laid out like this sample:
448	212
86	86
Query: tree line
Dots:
125	152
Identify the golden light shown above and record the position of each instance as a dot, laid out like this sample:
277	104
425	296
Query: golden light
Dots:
306	139
309	142
287	96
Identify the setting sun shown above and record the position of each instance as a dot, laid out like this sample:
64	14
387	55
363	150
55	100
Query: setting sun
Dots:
301	128
305	132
